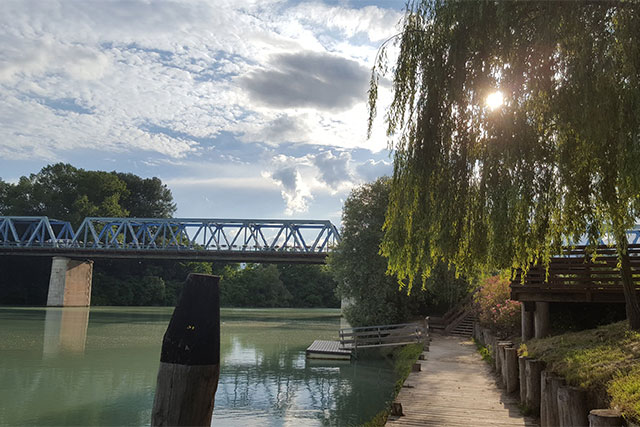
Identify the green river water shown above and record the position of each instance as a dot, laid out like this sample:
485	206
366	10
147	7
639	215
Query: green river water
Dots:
99	366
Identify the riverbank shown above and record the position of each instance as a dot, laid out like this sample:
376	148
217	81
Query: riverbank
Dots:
403	359
605	361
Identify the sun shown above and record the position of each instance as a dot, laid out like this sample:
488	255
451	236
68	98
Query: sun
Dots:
495	100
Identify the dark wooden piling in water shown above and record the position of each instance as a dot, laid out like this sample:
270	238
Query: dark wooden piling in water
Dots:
190	357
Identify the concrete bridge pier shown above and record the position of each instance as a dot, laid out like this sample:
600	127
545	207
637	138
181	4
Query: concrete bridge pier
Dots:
70	283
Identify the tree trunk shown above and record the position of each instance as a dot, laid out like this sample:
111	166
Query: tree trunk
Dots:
630	295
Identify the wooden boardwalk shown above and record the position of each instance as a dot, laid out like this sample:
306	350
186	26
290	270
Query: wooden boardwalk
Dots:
455	387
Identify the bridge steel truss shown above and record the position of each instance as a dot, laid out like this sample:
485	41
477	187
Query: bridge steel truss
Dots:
237	240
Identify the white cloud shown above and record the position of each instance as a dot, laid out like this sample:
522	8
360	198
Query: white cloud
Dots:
334	169
109	78
285	171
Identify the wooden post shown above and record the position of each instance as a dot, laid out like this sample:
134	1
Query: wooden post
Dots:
533	368
526	321
553	416
190	358
541	319
572	406
500	360
545	398
605	418
396	409
522	374
511	363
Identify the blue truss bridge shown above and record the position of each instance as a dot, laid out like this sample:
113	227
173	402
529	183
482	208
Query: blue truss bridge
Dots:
234	240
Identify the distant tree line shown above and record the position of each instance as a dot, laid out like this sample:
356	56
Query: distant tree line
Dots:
64	192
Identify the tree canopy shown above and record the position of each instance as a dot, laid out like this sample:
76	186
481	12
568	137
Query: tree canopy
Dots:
373	297
508	185
65	192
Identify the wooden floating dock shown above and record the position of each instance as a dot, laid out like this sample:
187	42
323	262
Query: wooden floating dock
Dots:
351	339
321	349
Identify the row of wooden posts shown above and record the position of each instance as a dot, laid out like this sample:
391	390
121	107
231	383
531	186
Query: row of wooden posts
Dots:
542	392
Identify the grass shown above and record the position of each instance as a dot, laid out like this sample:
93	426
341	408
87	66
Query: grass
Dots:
605	360
403	359
485	351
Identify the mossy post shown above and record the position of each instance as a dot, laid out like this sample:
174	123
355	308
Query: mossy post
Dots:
190	357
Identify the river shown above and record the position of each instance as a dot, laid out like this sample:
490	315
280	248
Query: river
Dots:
98	367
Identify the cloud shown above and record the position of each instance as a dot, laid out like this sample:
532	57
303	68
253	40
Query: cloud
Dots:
333	169
295	191
372	170
308	80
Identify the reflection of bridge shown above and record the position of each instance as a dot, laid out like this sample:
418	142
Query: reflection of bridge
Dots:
235	240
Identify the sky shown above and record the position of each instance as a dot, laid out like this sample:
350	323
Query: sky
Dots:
245	108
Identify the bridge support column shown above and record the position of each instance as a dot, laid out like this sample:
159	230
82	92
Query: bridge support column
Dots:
70	283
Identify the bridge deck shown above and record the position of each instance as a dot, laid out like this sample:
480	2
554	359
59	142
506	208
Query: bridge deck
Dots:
196	239
455	388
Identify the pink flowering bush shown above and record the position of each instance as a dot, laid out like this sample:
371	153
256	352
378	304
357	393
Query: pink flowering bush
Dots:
494	308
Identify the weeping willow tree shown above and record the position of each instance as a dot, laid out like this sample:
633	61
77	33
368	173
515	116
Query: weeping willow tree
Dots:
516	130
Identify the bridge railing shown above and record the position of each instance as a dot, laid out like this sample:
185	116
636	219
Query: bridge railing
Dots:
182	234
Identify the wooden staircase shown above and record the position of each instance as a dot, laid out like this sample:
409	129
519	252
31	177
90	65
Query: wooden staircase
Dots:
459	320
464	328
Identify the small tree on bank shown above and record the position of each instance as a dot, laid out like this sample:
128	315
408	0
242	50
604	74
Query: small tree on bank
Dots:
507	185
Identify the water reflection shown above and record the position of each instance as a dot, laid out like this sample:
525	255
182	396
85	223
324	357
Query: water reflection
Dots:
65	330
100	369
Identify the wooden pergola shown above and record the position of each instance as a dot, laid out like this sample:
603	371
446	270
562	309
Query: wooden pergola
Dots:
575	276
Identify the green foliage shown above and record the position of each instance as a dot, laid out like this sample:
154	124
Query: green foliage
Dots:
604	360
360	270
494	307
507	187
256	285
309	285
485	352
64	192
625	394
147	198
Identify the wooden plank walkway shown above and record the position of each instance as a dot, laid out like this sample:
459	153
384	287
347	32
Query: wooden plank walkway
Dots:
455	387
321	349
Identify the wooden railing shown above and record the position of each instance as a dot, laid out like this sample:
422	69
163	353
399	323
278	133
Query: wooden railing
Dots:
383	335
577	277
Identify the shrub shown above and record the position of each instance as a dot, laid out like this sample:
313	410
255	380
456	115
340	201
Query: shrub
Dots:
494	308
